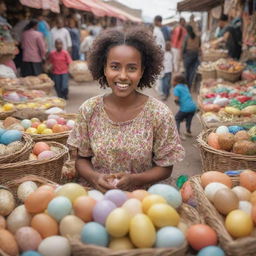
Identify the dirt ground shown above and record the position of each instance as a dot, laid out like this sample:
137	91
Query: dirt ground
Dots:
191	165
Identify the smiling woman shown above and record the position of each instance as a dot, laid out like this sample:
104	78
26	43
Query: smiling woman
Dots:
125	136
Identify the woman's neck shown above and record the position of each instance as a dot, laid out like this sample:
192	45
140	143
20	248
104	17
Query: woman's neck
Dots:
126	101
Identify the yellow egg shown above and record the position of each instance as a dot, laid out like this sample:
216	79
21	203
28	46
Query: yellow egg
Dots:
31	105
47	131
117	223
31	130
71	191
133	206
239	224
148	201
41	128
8	107
35	119
121	243
47	105
142	231
163	215
21	106
71	226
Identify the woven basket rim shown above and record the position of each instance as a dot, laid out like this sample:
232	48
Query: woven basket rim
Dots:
202	143
39	162
229	72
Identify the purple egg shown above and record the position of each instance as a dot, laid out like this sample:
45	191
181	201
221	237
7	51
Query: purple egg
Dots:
101	210
117	196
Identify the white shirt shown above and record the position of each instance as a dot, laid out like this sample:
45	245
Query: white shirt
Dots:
63	35
86	44
158	34
168	66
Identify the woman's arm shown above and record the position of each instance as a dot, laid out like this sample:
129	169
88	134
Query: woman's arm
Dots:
151	176
97	180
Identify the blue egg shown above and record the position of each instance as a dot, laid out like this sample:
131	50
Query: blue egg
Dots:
31	253
171	194
59	207
169	237
10	136
211	251
26	123
94	233
2	131
235	128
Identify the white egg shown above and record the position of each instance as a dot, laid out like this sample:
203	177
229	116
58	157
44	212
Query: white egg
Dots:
222	129
25	189
95	194
212	188
245	206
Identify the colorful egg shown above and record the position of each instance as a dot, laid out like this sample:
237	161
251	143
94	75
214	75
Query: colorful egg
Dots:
94	233
26	123
10	136
120	243
95	194
117	196
211	251
101	210
71	226
222	129
83	207
133	206
150	200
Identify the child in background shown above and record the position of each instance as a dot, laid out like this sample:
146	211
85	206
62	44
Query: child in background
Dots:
183	98
60	60
168	66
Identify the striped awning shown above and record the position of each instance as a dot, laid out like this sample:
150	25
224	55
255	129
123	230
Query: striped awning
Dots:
52	5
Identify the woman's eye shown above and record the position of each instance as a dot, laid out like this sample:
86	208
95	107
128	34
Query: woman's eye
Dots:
132	68
114	67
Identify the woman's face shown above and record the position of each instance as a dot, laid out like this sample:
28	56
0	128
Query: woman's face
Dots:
123	70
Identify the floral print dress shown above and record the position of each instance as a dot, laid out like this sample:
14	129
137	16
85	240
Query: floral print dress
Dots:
132	146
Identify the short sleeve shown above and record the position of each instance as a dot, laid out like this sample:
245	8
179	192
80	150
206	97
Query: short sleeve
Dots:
167	148
176	92
79	136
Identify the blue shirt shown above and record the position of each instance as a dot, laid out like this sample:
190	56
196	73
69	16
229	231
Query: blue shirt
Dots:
185	99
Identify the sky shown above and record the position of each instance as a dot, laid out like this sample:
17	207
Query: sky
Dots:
151	8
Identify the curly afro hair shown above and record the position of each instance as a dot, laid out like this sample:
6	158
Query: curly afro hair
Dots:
138	37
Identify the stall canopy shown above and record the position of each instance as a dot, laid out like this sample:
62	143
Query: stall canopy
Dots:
52	5
197	5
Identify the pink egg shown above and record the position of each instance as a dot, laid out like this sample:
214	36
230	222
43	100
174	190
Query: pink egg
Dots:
61	121
52	116
46	155
117	196
28	239
51	122
70	124
101	211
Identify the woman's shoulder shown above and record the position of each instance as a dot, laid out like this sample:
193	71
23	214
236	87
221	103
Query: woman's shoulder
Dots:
91	105
158	109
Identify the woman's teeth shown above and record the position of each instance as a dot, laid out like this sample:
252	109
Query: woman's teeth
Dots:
122	86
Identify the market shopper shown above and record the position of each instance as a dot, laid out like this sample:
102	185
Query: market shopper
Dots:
190	51
187	107
34	50
75	38
60	60
125	132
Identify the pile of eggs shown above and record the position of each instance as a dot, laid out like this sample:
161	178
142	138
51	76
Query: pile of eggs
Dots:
236	203
42	151
53	124
7	107
10	141
235	139
117	219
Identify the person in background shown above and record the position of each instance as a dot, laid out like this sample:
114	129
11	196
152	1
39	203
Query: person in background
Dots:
159	38
125	132
187	107
168	66
194	24
34	50
59	32
177	37
60	60
75	38
44	28
190	51
231	35
86	44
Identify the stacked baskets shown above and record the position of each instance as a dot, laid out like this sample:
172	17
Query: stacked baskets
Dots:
233	247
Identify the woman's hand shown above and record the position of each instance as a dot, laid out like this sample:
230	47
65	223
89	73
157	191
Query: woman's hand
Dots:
125	181
101	183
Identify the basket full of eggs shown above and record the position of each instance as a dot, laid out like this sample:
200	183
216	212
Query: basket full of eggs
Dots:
45	159
228	148
228	205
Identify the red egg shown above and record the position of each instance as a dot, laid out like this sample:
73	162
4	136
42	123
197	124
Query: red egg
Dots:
35	124
200	236
61	120
39	147
83	207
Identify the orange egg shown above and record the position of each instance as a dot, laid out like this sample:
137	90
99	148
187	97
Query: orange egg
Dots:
38	201
8	243
140	194
254	213
58	128
65	128
83	207
253	197
2	222
248	180
47	187
214	176
200	236
35	124
45	225
40	147
212	140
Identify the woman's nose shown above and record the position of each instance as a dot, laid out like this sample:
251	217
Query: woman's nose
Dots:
123	74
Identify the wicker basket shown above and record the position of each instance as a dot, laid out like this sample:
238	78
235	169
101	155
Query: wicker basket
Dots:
5	114
233	247
220	160
214	55
207	74
19	155
46	87
48	168
229	76
28	113
188	214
